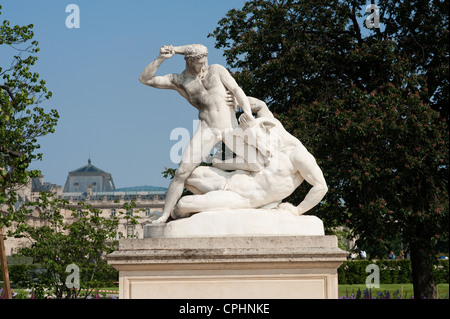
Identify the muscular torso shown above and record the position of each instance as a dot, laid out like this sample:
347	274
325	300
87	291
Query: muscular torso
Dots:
273	184
208	95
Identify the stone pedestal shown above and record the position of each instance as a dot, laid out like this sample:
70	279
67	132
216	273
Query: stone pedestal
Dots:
244	267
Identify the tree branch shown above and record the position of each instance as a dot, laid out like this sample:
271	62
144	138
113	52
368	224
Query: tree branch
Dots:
8	90
356	26
10	152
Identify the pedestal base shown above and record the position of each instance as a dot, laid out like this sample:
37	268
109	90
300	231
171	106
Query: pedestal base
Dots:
239	222
245	267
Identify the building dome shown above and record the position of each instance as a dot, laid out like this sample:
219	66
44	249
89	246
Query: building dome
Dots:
88	176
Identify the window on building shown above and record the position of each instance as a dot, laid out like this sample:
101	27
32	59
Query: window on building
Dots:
130	231
113	212
130	212
147	212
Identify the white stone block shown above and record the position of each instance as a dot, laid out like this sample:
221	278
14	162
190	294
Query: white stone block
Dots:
241	222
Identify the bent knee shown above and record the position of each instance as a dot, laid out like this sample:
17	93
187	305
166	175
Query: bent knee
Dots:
186	199
185	203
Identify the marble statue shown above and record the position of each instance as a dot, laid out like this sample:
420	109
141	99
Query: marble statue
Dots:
269	163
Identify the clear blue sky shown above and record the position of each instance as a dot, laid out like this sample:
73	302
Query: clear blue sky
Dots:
93	71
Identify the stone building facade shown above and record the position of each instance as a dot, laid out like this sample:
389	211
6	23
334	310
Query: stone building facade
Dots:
94	186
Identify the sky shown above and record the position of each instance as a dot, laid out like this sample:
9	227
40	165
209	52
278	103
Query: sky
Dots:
106	114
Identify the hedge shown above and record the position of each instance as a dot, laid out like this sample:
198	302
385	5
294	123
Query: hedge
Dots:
21	275
391	271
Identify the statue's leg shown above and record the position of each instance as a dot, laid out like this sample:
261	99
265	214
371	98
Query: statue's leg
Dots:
199	146
215	200
175	190
205	179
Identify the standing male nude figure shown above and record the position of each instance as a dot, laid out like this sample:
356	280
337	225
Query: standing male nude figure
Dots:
206	88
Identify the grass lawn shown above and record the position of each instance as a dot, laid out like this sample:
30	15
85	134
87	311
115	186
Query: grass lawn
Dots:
393	289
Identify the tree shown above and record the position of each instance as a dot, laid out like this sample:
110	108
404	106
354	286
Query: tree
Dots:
22	120
370	104
71	245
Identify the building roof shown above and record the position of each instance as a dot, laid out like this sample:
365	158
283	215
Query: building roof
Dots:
100	183
89	168
37	185
88	176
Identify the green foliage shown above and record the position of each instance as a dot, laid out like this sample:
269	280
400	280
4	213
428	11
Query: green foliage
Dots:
391	271
169	172
21	275
441	272
385	160
371	105
22	119
80	237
